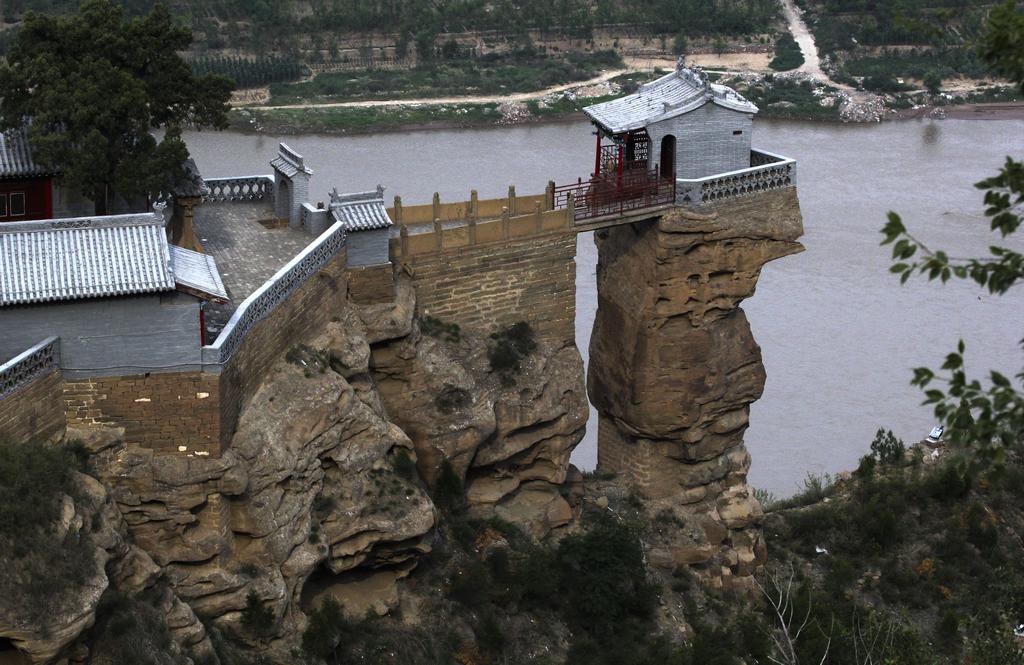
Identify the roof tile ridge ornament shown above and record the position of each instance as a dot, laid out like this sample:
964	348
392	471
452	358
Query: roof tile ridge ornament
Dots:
159	208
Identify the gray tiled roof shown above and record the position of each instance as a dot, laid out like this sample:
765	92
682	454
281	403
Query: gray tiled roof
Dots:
680	92
16	155
289	162
197	272
362	211
84	257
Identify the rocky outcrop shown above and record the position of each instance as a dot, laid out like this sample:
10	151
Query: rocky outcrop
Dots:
309	482
674	401
509	438
45	624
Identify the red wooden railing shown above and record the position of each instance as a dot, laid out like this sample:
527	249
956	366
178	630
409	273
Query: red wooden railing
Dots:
612	194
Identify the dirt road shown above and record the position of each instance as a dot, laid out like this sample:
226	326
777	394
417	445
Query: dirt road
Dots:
804	39
476	99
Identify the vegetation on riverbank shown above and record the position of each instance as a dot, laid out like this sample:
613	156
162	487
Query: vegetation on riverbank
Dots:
365	119
910	39
909	562
787	53
524	70
789	99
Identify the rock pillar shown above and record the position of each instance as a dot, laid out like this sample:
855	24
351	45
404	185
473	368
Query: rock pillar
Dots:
674	366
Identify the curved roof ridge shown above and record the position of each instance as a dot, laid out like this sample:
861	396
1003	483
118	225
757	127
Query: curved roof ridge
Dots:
673	94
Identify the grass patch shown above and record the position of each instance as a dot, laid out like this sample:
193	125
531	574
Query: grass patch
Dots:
789	99
509	348
521	71
916	64
346	120
435	327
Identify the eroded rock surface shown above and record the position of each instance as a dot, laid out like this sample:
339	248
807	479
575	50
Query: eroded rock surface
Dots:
44	623
508	439
674	368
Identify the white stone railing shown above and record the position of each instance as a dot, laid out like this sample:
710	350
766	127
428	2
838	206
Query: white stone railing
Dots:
274	291
25	367
767	171
241	188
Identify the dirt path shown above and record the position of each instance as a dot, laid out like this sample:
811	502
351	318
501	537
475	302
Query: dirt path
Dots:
481	99
804	39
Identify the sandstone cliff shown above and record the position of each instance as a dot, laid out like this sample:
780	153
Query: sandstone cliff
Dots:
320	492
674	401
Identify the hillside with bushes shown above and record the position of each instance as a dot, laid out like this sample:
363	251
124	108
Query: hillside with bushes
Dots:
910	39
285	27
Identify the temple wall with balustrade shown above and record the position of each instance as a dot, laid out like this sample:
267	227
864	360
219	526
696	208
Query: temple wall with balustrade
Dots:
487	274
483	264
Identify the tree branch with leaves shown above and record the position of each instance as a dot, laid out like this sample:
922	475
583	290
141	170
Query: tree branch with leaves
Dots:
983	418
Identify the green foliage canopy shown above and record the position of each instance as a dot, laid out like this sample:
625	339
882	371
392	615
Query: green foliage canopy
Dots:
96	85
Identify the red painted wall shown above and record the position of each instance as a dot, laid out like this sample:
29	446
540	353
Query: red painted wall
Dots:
38	199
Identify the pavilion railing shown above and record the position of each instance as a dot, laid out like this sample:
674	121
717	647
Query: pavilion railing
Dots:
241	188
613	194
25	367
767	171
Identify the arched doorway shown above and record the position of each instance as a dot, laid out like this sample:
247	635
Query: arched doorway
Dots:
284	200
668	156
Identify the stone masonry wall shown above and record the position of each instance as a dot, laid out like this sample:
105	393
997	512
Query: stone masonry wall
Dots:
301	316
34	412
488	275
169	413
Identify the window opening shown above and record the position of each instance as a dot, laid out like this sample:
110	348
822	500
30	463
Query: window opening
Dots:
17	204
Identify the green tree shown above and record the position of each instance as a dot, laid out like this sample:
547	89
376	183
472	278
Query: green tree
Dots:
96	86
933	81
984	418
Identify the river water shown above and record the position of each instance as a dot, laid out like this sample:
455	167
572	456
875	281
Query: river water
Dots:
839	335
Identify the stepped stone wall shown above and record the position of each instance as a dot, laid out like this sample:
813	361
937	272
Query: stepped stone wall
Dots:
33	412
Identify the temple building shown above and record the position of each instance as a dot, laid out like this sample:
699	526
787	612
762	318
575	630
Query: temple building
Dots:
26	189
680	125
679	139
30	191
121	299
368	224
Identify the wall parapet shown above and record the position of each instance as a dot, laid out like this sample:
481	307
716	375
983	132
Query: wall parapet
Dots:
31	363
767	171
473	208
274	291
241	188
440	236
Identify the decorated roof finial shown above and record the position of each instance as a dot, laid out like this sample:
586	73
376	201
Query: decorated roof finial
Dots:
681	62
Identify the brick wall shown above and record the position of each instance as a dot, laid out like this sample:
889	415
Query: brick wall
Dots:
370	285
178	412
34	412
489	275
301	316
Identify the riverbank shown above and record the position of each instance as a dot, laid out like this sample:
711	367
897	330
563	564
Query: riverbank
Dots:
405	118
